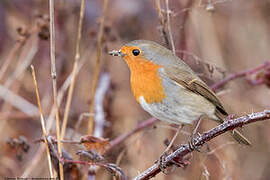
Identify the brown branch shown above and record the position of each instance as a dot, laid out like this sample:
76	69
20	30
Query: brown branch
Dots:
97	66
162	23
185	149
139	127
74	70
54	83
44	133
239	75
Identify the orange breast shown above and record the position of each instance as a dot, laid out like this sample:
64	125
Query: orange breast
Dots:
145	80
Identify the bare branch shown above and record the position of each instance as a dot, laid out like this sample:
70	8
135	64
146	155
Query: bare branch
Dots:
97	66
139	127
53	75
200	140
44	133
239	75
74	71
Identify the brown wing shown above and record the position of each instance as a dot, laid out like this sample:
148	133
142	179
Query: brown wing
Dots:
187	78
192	82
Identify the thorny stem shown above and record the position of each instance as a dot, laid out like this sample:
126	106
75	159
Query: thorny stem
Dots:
200	140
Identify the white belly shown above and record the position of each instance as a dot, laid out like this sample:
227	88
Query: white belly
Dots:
180	106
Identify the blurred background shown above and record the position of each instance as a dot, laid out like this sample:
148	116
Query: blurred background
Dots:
231	35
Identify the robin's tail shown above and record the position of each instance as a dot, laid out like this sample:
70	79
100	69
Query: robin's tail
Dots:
240	138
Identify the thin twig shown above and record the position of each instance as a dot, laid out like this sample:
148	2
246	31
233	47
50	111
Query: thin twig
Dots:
53	75
97	66
42	122
78	123
239	75
11	56
18	101
75	67
169	26
162	23
200	140
37	158
26	57
139	127
100	121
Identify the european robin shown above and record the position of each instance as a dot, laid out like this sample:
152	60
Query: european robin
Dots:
167	88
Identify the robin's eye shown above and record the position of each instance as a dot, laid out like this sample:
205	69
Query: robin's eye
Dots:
135	52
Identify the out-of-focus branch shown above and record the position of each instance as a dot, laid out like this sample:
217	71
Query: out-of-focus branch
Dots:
100	121
139	127
176	158
162	23
11	56
240	74
99	99
97	67
74	70
169	26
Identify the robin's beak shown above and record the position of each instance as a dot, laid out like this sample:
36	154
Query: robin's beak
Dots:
116	53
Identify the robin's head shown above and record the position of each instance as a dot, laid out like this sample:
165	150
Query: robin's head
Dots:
144	59
145	51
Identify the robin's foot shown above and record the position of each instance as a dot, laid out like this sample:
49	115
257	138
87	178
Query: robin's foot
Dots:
162	163
193	146
192	143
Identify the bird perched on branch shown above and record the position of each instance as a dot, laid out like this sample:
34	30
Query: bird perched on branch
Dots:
167	88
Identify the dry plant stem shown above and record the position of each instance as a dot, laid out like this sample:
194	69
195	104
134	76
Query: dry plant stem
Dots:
61	93
18	102
97	66
182	31
100	121
139	127
169	26
37	158
75	67
239	75
44	133
162	22
200	140
53	74
11	56
26	57
34	162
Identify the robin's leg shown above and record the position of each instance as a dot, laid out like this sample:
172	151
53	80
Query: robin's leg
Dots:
164	154
180	127
194	132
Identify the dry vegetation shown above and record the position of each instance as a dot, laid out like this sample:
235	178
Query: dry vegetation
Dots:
231	35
